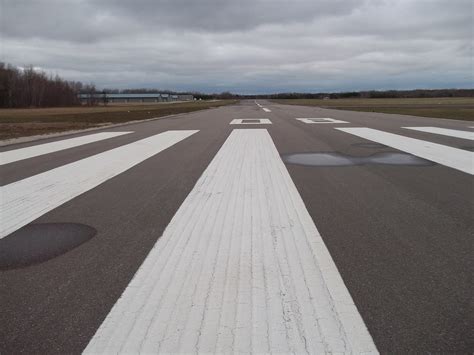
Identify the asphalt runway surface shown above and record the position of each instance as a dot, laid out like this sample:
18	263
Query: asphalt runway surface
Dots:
381	214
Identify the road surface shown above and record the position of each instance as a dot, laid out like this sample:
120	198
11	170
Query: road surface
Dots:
256	227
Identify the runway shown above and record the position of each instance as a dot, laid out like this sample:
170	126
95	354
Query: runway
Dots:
257	227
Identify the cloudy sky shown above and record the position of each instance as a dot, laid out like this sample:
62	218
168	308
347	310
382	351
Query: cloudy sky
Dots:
244	46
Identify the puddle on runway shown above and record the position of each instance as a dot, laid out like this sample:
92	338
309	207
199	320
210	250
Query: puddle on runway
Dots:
369	145
36	243
337	159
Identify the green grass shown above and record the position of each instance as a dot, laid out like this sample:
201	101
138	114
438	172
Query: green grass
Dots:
459	108
26	122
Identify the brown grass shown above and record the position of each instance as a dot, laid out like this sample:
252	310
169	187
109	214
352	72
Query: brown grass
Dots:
26	122
460	108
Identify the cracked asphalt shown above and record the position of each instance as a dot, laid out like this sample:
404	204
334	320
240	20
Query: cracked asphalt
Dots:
400	236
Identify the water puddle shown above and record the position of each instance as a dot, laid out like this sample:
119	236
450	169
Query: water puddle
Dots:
36	243
369	145
338	159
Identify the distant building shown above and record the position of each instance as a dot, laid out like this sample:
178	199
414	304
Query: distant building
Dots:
111	98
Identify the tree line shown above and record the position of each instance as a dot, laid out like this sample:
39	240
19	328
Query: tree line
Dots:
27	87
373	94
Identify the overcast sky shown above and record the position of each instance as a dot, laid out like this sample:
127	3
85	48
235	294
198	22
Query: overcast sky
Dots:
244	46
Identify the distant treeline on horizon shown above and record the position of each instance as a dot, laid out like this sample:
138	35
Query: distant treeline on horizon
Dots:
416	93
28	87
374	94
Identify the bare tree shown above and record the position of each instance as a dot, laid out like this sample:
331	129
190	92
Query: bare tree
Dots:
27	87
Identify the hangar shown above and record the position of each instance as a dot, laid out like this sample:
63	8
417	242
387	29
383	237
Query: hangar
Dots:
111	98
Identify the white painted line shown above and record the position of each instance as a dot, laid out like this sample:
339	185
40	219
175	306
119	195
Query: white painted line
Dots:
241	268
11	156
452	157
320	120
251	121
25	200
445	131
266	109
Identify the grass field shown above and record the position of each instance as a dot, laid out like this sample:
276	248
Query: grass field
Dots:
459	108
27	122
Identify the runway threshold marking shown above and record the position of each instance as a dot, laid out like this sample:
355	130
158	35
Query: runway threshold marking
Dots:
241	267
263	108
11	156
25	200
320	120
445	131
455	158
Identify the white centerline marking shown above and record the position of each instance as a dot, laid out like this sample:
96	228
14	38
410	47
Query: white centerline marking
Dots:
266	109
452	157
320	120
445	131
25	200
241	268
11	156
251	121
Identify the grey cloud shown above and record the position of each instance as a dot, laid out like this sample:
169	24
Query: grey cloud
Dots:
93	20
244	46
217	15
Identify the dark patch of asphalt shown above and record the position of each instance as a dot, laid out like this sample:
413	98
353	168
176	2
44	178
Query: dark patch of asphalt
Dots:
399	235
38	242
338	159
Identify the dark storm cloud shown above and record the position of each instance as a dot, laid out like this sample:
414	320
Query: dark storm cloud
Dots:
245	46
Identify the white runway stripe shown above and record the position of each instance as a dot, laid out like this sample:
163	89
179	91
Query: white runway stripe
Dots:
452	157
41	149
266	109
445	131
25	200
240	268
